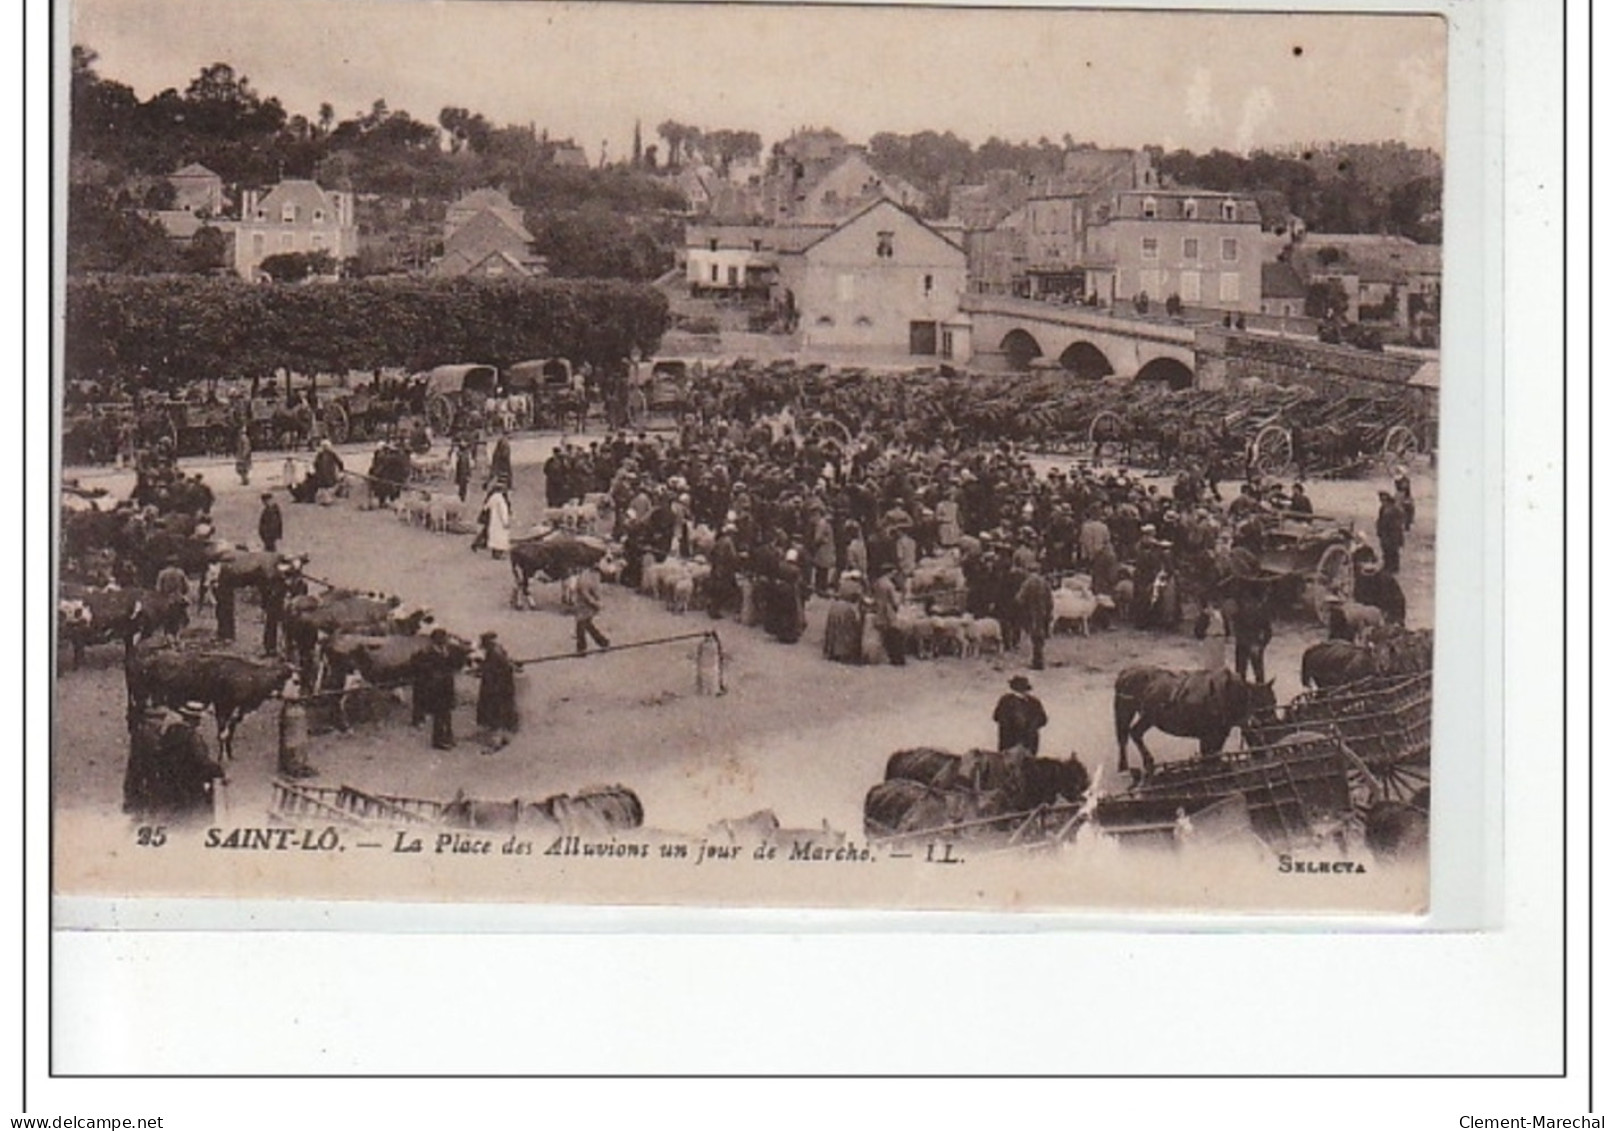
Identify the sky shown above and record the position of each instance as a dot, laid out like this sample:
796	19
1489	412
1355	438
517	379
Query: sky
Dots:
1180	79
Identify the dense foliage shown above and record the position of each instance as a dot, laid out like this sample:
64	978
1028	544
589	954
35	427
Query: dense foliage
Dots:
171	331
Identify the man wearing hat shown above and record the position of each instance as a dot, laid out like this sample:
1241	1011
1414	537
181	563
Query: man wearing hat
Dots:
433	689
496	698
171	774
1391	526
1020	716
886	603
271	526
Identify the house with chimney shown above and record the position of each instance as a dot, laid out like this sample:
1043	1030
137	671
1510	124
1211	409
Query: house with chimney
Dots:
294	216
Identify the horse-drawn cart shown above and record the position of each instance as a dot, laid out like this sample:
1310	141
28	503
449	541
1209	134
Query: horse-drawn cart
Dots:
457	395
553	399
1308	560
660	387
1383	720
1291	792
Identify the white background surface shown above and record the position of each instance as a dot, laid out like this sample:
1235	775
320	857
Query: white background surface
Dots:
810	998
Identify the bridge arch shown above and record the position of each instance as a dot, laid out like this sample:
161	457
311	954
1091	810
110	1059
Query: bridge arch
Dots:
1020	348
1085	360
1168	370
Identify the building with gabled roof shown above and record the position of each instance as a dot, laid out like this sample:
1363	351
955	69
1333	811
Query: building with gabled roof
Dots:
882	281
296	216
492	241
197	190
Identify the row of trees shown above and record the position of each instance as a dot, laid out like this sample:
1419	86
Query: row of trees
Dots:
167	332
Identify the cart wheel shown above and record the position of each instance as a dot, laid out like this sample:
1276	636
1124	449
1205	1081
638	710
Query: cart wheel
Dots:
440	414
1105	436
1334	576
1375	780
1400	443
336	422
833	430
638	408
1273	450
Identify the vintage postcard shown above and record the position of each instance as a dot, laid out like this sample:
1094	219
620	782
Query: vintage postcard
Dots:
748	455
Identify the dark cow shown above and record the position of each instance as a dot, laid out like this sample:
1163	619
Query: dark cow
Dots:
309	619
1335	663
549	557
1200	704
383	661
192	554
104	616
901	806
234	686
1025	782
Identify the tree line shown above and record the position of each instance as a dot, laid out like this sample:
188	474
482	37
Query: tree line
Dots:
165	333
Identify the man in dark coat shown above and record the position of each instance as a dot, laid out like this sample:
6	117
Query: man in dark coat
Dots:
1391	526
496	700
1020	716
434	690
1034	603
271	526
328	467
171	774
499	462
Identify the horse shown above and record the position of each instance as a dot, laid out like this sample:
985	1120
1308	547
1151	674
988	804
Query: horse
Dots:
1202	705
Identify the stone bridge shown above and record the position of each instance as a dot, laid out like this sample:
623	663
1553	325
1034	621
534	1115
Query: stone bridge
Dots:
1090	343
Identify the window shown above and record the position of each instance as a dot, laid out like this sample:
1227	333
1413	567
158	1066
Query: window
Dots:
286	241
734	276
1150	208
884	244
846	287
1191	208
1189	286
757	245
319	215
929	284
1230	210
260	214
257	245
712	245
1230	250
1150	248
288	213
1228	287
316	241
1191	247
714	273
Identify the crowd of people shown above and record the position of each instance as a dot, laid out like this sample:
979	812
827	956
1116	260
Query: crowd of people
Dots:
790	518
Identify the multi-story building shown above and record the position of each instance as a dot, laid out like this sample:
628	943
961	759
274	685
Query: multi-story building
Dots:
484	234
1203	248
294	216
882	281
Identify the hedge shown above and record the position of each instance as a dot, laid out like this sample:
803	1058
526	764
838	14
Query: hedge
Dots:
179	330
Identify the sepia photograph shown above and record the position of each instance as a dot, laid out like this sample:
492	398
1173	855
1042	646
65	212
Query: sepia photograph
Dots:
751	456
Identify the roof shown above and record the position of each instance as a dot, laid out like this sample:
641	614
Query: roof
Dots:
478	199
195	171
1372	258
179	223
305	195
1279	280
881	203
487	232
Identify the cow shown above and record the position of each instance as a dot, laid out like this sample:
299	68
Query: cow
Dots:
191	553
234	686
382	661
103	616
549	557
311	618
1335	663
1024	782
1202	705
